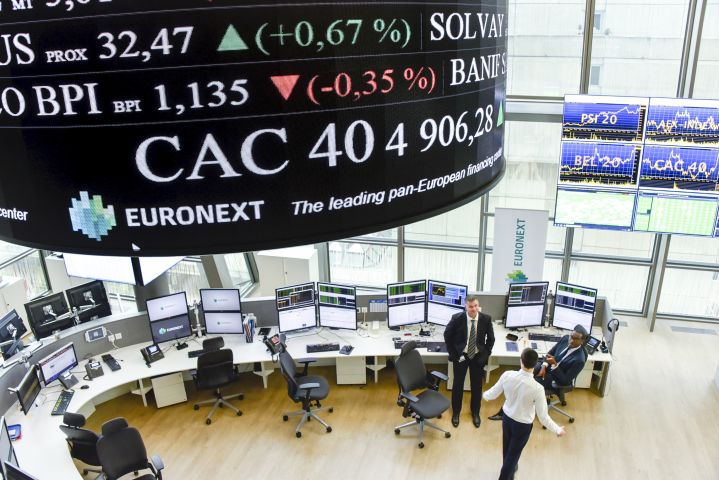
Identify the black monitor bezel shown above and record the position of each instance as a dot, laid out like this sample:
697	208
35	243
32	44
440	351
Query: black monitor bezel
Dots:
526	283
42	375
279	323
314	292
459	308
594	310
147	310
85	286
42	301
3	421
426	296
239	299
341	285
212	312
34	370
6	319
541	322
18	472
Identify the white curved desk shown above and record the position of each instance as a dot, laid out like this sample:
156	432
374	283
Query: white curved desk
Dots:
43	452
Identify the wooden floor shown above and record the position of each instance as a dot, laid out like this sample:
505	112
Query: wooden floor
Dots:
660	420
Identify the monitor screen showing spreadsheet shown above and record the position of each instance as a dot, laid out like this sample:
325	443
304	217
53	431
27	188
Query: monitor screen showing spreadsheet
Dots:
218	323
527	293
524	316
337	295
220	300
406	302
295	296
297	318
441	314
574	305
336	317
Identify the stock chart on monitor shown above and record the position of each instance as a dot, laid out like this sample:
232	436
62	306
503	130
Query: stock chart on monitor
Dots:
682	121
598	118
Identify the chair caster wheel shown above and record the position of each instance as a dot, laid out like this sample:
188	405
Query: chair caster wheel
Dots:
285	417
239	414
571	420
332	409
421	445
221	406
564	404
329	429
298	434
447	435
241	397
439	416
309	419
136	473
208	421
396	430
196	407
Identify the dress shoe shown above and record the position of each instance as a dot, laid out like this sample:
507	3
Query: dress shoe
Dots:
455	420
476	420
497	416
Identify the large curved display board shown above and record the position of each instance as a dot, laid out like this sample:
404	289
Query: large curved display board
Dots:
194	127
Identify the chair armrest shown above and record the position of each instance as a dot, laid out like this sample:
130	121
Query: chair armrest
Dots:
193	372
440	375
157	462
307	360
409	397
308	386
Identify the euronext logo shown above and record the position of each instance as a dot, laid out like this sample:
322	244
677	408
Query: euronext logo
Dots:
516	276
91	217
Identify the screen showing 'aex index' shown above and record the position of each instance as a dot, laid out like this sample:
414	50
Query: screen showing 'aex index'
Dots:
235	123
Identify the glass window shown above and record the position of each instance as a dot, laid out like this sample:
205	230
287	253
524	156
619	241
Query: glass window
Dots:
188	276
690	292
555	236
441	265
532	150
552	272
8	251
391	233
693	249
608	243
460	226
30	269
639	47
239	270
363	264
705	82
545	47
624	286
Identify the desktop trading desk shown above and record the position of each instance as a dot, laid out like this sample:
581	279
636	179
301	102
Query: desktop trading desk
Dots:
40	432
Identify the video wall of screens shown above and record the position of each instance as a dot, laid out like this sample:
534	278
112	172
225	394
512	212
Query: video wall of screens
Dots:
639	164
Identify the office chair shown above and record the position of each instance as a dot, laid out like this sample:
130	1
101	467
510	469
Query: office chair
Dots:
121	451
82	442
412	375
216	369
560	391
312	388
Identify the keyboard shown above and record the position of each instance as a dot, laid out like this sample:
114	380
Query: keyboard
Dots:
62	402
398	344
544	337
111	362
196	353
323	347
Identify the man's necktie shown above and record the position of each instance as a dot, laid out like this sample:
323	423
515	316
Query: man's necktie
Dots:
472	347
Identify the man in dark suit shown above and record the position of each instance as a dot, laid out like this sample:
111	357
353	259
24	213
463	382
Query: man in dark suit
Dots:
469	337
563	362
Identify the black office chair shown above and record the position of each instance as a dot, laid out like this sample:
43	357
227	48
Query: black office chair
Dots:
82	442
121	451
216	369
560	391
412	375
311	388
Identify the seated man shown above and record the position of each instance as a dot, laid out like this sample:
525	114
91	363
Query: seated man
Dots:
563	362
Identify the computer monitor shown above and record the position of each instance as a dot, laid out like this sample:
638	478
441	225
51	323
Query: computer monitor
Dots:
337	306
530	293
574	305
295	296
57	363
12	328
220	300
43	313
443	301
28	390
406	303
218	323
7	452
297	318
14	473
522	316
93	295
169	317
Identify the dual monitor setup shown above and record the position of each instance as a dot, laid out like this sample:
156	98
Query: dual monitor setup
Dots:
169	316
526	305
423	301
298	306
61	311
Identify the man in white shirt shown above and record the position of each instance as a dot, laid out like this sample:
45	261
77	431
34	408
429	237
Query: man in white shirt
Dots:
523	396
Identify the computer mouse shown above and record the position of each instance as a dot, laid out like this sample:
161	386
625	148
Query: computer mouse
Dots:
85	387
437	348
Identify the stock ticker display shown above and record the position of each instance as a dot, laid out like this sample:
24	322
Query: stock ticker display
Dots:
640	164
206	126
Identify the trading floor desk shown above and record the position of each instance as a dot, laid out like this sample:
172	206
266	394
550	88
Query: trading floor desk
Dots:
43	451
